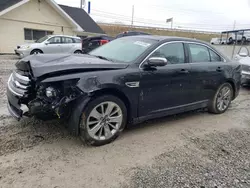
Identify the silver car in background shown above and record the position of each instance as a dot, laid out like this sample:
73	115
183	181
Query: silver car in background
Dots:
51	44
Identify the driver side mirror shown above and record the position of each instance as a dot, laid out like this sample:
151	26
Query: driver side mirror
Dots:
157	61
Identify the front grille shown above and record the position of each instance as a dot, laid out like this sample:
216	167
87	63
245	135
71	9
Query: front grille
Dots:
18	84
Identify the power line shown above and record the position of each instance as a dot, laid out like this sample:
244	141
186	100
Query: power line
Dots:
148	21
157	24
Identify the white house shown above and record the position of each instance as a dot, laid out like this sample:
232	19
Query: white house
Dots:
23	21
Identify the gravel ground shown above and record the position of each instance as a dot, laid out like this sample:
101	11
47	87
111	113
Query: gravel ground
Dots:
194	149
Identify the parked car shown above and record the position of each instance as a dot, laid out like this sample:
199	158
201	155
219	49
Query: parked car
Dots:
91	43
130	33
51	44
243	57
240	37
125	81
218	41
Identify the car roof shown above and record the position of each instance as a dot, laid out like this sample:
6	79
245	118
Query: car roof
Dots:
64	36
98	36
167	38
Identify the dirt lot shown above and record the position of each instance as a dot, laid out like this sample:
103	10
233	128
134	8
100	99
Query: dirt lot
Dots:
194	149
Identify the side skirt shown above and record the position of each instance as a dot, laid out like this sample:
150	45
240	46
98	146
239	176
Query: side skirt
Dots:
172	111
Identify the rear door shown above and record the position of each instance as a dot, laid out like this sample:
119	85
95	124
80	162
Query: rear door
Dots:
53	45
207	70
69	45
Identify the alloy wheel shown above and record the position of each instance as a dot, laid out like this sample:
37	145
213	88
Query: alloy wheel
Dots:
104	121
223	98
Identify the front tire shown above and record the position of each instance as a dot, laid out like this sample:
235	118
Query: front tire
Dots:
36	52
103	120
222	99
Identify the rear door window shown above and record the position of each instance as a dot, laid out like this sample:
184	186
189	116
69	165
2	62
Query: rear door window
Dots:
67	40
199	53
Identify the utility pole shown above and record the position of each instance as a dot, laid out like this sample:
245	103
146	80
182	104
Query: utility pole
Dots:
82	5
234	25
133	11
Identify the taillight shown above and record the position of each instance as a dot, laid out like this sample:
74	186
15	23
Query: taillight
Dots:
102	42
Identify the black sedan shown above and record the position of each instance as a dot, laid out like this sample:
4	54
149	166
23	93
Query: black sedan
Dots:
125	81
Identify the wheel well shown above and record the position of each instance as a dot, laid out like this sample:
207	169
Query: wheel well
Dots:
117	93
233	86
36	50
77	51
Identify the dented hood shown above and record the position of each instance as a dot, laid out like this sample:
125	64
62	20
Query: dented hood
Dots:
45	64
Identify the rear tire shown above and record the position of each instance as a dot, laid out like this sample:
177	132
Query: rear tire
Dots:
222	99
36	52
230	40
102	121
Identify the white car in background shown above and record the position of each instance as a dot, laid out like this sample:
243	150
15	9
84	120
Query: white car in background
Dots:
243	57
218	41
240	37
51	44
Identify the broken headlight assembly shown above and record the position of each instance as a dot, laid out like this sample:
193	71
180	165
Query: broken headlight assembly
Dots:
54	99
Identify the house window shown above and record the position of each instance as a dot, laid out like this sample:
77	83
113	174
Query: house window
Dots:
32	34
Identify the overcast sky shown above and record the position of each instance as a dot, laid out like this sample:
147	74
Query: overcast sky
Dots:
216	15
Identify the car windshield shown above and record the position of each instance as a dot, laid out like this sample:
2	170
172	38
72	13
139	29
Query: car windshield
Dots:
42	39
125	49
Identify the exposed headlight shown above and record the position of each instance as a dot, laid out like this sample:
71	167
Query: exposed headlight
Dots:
51	92
25	47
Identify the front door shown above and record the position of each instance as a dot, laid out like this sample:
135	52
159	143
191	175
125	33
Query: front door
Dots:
167	87
53	46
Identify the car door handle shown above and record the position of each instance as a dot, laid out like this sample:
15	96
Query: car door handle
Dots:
184	71
219	69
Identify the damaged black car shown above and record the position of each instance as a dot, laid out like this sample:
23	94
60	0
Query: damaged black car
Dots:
126	81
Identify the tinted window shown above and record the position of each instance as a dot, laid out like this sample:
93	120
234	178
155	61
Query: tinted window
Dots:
174	53
55	40
67	40
214	57
199	53
124	49
94	43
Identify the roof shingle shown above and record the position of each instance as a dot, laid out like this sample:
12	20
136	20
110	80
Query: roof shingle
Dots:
82	19
4	4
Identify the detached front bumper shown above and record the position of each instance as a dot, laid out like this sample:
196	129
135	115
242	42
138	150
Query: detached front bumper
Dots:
16	90
13	106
